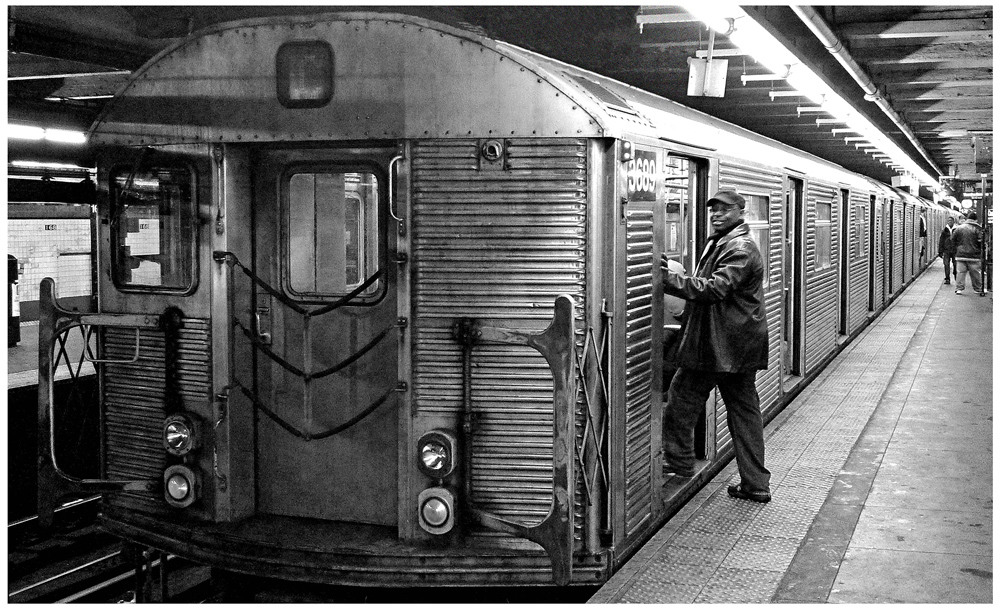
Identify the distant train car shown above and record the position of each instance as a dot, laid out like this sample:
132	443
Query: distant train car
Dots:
380	301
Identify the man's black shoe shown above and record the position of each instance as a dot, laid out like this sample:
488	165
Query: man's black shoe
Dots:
737	491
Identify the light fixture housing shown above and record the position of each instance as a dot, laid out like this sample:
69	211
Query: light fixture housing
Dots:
436	510
180	434
180	486
436	453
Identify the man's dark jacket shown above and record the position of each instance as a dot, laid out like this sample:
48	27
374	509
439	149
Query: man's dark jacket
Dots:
968	240
945	244
724	327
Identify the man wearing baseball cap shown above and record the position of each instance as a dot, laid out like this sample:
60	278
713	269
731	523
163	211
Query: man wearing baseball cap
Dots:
723	344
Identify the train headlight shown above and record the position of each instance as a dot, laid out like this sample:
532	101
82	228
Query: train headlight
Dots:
180	486
436	454
180	434
436	510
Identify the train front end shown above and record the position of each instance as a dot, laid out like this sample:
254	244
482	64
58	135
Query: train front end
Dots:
345	329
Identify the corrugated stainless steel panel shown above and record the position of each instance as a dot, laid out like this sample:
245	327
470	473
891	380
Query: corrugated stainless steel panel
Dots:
498	246
897	246
759	181
821	285
858	274
638	367
911	244
134	403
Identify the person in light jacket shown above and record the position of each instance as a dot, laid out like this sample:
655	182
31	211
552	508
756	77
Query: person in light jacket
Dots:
723	342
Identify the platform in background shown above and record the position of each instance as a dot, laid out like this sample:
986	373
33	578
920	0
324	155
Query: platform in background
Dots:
22	360
882	479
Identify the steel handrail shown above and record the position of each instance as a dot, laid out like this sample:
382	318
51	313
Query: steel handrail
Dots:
53	482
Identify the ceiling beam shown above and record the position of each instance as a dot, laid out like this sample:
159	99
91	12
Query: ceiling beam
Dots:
58	44
916	28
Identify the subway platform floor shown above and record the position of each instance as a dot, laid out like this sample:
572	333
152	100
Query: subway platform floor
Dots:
882	478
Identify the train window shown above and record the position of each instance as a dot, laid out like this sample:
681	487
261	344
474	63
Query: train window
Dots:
332	220
758	220
859	238
153	228
824	233
304	74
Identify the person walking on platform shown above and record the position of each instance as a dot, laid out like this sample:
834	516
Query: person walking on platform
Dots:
723	343
947	249
968	241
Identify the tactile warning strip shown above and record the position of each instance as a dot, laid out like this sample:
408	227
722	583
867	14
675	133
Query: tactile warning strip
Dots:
731	551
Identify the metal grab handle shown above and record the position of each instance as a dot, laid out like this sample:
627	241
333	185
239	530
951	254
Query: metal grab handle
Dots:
135	357
392	195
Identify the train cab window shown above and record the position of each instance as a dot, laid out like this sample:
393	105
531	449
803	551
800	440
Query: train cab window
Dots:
153	228
759	222
824	234
332	238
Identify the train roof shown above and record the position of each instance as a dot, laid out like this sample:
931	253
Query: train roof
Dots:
196	91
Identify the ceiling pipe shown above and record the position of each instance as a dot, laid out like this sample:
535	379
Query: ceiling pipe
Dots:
815	22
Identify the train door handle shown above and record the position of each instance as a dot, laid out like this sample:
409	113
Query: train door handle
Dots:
262	318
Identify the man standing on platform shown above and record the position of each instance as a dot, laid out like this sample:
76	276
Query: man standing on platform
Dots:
968	239
947	249
723	343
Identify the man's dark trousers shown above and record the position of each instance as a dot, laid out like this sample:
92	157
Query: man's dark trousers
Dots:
949	266
686	398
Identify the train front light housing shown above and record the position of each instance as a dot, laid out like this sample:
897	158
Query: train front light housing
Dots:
436	507
436	454
179	434
180	485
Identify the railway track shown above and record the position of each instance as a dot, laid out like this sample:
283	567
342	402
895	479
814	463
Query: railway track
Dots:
77	562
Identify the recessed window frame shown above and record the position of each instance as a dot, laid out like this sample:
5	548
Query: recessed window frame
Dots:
824	226
379	289
194	226
760	226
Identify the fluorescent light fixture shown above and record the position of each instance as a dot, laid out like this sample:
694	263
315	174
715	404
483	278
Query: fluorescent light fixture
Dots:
43	165
714	15
27	132
758	43
78	97
67	137
24	132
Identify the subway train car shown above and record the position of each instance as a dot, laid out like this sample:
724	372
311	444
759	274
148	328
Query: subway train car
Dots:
380	301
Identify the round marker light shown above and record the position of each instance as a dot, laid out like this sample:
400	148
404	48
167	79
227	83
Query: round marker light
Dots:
435	512
179	435
179	486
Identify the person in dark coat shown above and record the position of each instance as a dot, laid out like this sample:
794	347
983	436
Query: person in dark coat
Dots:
947	250
723	342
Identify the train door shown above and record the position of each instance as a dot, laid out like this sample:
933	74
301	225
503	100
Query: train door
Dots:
791	335
845	247
875	264
686	215
327	441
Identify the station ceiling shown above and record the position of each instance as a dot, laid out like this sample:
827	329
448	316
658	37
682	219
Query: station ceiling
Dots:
922	74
